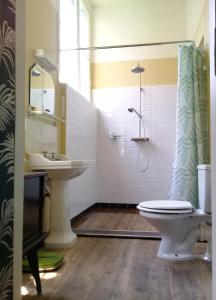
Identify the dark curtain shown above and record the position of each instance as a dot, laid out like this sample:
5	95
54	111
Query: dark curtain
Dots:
7	151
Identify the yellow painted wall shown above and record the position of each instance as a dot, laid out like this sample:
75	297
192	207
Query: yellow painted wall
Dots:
118	74
41	32
137	21
197	21
195	11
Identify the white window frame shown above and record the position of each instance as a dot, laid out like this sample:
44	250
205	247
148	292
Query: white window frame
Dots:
86	93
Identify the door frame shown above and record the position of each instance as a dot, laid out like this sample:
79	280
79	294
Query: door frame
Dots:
19	147
212	15
20	137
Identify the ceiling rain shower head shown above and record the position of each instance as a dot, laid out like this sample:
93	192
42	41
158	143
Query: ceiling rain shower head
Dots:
137	69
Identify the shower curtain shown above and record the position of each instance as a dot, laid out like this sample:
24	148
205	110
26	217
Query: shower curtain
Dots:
192	146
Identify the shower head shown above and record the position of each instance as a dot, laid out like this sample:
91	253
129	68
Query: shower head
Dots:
137	69
131	109
36	73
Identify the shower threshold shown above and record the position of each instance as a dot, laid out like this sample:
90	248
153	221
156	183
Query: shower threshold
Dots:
117	233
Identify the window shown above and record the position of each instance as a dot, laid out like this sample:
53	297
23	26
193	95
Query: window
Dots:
84	59
74	33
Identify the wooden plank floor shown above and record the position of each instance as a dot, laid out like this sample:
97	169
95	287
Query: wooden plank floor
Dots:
113	219
123	269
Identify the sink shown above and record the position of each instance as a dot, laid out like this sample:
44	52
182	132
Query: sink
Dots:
60	170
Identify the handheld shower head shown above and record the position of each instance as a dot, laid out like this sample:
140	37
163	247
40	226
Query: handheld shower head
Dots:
132	109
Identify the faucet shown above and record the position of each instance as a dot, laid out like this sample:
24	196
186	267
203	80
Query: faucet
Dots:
45	153
53	156
49	155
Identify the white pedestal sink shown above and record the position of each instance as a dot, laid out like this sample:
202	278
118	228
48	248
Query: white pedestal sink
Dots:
60	171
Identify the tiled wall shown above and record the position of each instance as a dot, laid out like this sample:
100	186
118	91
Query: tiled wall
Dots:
121	162
119	176
81	143
40	136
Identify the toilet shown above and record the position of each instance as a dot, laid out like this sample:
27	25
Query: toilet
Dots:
179	223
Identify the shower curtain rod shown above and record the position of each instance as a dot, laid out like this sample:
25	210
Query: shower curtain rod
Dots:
128	45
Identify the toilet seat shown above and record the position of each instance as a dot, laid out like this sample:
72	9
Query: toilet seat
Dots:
166	206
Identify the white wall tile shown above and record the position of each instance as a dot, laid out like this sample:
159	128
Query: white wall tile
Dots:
81	143
40	136
118	176
121	161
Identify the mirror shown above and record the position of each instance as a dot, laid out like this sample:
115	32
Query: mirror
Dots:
41	90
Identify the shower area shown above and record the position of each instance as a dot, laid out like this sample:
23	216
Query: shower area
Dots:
135	141
129	125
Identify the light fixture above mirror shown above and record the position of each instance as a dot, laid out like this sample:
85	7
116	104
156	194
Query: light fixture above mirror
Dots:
43	60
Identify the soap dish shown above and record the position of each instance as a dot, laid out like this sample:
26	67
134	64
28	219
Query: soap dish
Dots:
140	139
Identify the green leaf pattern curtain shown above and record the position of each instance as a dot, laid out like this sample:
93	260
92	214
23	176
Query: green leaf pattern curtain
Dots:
192	147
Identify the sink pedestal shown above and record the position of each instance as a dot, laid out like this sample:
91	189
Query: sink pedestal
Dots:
60	171
61	234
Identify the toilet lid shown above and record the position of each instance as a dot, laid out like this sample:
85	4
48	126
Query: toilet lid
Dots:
166	206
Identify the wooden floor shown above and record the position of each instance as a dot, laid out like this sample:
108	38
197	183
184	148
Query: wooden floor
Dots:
113	219
122	269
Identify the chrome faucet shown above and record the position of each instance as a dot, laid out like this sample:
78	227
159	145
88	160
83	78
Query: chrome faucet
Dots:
49	155
45	153
53	156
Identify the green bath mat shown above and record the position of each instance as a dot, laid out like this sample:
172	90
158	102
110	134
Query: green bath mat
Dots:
48	261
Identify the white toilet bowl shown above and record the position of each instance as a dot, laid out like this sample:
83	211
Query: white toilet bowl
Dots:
178	225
